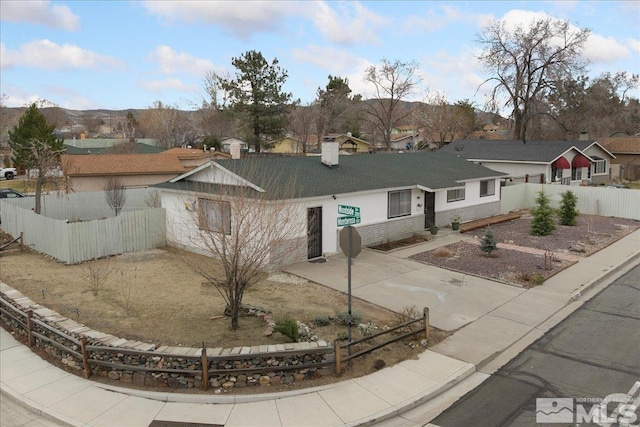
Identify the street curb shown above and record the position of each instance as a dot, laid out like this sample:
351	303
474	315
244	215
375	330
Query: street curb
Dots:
421	398
618	270
37	408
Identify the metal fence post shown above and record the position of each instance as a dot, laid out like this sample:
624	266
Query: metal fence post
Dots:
425	312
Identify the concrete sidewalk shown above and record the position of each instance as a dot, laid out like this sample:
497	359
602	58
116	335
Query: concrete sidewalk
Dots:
497	321
75	401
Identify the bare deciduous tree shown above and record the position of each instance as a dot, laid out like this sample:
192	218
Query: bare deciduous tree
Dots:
443	122
392	82
250	230
526	60
302	123
46	162
96	275
166	124
115	194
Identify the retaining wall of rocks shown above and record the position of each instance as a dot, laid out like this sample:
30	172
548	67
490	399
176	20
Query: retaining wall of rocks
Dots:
142	364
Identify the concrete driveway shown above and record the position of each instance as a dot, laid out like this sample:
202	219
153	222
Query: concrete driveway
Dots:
394	282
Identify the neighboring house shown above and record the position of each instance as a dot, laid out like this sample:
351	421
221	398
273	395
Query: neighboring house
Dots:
191	158
349	143
227	142
626	164
287	145
398	194
293	145
92	171
408	138
565	162
492	131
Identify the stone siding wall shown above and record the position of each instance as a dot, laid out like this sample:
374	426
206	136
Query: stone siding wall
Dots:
470	213
390	230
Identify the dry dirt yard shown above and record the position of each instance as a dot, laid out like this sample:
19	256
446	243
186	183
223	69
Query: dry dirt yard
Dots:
567	245
154	296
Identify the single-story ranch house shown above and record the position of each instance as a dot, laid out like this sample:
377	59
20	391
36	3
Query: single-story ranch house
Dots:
397	194
562	162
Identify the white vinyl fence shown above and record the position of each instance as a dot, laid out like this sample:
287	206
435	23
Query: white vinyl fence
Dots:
80	227
615	202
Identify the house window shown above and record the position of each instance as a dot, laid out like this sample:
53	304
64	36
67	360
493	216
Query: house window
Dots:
455	195
556	174
215	216
487	188
599	166
576	174
399	203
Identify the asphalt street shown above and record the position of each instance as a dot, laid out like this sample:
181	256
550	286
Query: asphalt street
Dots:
593	353
12	414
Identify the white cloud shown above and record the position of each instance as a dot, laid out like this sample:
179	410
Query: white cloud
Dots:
340	61
242	19
634	44
39	12
348	23
441	17
604	49
338	22
172	62
167	84
598	48
51	56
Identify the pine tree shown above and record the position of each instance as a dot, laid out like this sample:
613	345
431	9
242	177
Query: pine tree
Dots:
488	242
542	223
568	213
256	97
31	127
35	146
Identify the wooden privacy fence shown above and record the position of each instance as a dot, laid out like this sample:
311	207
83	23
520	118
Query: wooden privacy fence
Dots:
602	201
366	345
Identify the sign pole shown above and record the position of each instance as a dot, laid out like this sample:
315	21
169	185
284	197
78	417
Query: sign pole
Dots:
349	289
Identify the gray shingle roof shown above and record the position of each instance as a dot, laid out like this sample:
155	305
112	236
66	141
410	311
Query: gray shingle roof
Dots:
364	172
513	150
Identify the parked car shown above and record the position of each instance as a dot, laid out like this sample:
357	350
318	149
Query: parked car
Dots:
8	193
617	186
8	173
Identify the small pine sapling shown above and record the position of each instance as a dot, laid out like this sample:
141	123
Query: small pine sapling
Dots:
542	223
568	213
488	242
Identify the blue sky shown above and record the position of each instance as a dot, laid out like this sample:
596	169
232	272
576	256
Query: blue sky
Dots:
128	54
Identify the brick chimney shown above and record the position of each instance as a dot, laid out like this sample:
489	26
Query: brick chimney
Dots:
330	154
